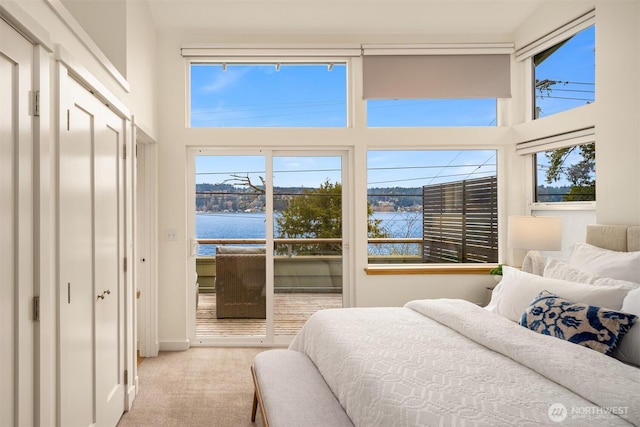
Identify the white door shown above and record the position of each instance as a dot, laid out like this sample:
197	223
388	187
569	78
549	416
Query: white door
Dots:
16	230
146	246
109	254
91	230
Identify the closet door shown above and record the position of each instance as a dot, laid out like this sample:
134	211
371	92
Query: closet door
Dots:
16	230
91	249
109	256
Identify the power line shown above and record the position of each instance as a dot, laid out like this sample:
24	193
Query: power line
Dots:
483	164
449	165
269	116
566	98
430	177
338	170
259	107
450	161
263	172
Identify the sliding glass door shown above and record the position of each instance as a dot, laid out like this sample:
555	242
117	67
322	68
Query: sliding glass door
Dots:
230	226
269	232
308	227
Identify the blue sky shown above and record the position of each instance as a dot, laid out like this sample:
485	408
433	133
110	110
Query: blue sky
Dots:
297	95
387	168
288	171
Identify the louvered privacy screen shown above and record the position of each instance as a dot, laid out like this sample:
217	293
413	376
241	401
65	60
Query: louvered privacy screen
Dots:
460	221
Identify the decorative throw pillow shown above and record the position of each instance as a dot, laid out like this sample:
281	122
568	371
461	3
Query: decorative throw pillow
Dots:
598	328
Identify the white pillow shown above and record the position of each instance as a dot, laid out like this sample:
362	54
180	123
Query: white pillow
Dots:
629	348
518	289
606	263
557	269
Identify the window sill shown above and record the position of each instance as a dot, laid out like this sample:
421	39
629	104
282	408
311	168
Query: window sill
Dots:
563	206
429	269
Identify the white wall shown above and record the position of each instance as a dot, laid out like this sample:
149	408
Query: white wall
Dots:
141	66
105	21
617	127
618	116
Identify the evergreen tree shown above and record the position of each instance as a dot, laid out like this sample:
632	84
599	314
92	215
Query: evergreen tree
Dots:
317	213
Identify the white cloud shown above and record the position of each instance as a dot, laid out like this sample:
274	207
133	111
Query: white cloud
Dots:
224	80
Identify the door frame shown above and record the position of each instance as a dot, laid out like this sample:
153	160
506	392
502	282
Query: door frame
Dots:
22	144
269	339
146	242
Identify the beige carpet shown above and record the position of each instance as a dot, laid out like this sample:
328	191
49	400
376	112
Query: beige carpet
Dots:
198	387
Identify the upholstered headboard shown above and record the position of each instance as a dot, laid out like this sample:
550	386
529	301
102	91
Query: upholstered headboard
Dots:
624	238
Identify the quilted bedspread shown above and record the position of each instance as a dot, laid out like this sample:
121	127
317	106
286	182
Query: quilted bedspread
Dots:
452	363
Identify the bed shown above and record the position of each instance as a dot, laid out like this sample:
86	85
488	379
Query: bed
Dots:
450	362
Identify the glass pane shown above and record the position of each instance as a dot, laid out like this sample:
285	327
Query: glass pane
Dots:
564	75
566	174
268	95
231	261
431	112
308	233
416	195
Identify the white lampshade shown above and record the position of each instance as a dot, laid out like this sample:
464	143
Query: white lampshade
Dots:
541	233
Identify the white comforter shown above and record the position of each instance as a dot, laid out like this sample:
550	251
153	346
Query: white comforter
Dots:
452	363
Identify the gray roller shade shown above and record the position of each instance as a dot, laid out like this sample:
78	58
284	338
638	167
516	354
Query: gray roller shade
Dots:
436	76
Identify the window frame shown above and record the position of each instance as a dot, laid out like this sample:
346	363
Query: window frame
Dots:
533	89
531	148
527	52
272	60
445	268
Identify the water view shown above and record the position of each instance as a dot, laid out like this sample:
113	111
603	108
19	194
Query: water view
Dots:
251	225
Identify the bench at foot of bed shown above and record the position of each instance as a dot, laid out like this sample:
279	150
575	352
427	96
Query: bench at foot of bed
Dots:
291	392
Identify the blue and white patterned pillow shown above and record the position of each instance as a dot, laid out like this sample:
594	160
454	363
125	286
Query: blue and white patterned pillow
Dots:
597	328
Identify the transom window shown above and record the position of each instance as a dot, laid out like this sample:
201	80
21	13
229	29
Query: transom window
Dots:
431	112
564	74
274	94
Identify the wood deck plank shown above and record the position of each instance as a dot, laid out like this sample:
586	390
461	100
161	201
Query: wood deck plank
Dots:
291	311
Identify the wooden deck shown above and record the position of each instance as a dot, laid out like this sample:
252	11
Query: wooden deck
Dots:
291	310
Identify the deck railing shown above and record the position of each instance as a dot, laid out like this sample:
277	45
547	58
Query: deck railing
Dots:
302	273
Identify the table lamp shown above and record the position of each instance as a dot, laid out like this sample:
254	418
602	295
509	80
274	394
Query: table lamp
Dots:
534	233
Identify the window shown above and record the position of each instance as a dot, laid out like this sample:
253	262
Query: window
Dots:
226	95
566	174
432	206
433	89
431	112
564	74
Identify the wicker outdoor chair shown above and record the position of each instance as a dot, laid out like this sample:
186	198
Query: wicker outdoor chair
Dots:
240	282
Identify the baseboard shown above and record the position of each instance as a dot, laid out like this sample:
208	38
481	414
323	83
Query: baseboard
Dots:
174	345
131	395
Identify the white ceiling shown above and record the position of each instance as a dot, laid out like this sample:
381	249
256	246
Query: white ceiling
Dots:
341	17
